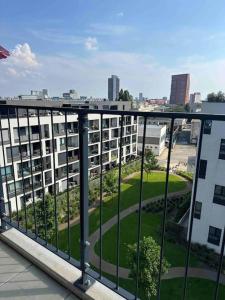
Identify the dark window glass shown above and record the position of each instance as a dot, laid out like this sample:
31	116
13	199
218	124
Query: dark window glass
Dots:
198	209
214	235
207	127
219	195
222	149
202	168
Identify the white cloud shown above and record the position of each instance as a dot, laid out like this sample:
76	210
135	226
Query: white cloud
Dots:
91	43
57	37
120	14
22	55
88	74
109	29
21	62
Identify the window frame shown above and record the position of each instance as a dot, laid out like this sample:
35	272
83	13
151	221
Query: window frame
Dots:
202	172
197	214
216	237
222	149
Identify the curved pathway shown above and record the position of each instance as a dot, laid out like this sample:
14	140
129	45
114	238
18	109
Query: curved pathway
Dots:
93	239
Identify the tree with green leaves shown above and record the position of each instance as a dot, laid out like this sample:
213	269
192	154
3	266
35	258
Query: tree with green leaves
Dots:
110	182
149	264
151	162
125	95
45	211
213	97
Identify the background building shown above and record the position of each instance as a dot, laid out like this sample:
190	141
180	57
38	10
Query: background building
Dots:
71	95
180	86
36	153
155	136
195	98
140	97
113	88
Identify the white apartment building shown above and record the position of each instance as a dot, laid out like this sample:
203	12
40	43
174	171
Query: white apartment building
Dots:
155	136
30	150
209	216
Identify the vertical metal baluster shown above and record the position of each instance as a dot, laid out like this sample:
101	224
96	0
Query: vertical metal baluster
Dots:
31	172
6	177
55	200
165	207
100	206
220	266
193	207
84	219
14	173
139	206
42	176
21	163
67	192
118	206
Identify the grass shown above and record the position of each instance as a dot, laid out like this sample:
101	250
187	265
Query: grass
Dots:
174	253
172	289
130	191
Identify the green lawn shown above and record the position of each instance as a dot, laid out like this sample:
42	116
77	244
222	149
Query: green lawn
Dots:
175	254
129	195
172	289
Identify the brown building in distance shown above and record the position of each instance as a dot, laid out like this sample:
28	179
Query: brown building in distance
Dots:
180	86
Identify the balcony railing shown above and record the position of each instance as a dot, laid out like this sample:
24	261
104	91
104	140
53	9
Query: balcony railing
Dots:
88	274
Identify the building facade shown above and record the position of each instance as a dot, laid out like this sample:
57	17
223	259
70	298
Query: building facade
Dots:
180	87
155	137
209	221
23	163
113	88
195	98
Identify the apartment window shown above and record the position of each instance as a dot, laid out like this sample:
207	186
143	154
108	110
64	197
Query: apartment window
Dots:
22	131
198	209
113	107
207	127
202	168
5	135
222	149
214	235
219	195
62	142
35	129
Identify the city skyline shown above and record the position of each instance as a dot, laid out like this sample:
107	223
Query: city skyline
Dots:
62	47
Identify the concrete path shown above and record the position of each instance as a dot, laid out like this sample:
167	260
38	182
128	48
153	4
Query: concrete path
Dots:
194	272
106	266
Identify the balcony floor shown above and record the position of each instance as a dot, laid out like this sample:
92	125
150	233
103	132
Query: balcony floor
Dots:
20	279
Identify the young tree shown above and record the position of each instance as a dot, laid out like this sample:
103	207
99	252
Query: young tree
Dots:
219	97
121	95
125	95
110	182
45	211
149	263
151	162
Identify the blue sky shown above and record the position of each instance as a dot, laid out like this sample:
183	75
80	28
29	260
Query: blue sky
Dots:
77	44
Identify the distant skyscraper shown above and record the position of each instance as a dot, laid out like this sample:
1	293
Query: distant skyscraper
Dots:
180	89
113	87
195	98
140	96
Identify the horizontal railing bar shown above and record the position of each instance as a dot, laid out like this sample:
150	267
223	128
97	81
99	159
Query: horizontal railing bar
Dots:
167	115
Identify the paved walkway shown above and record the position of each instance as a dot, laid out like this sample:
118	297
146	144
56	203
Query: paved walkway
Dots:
21	280
193	272
106	266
